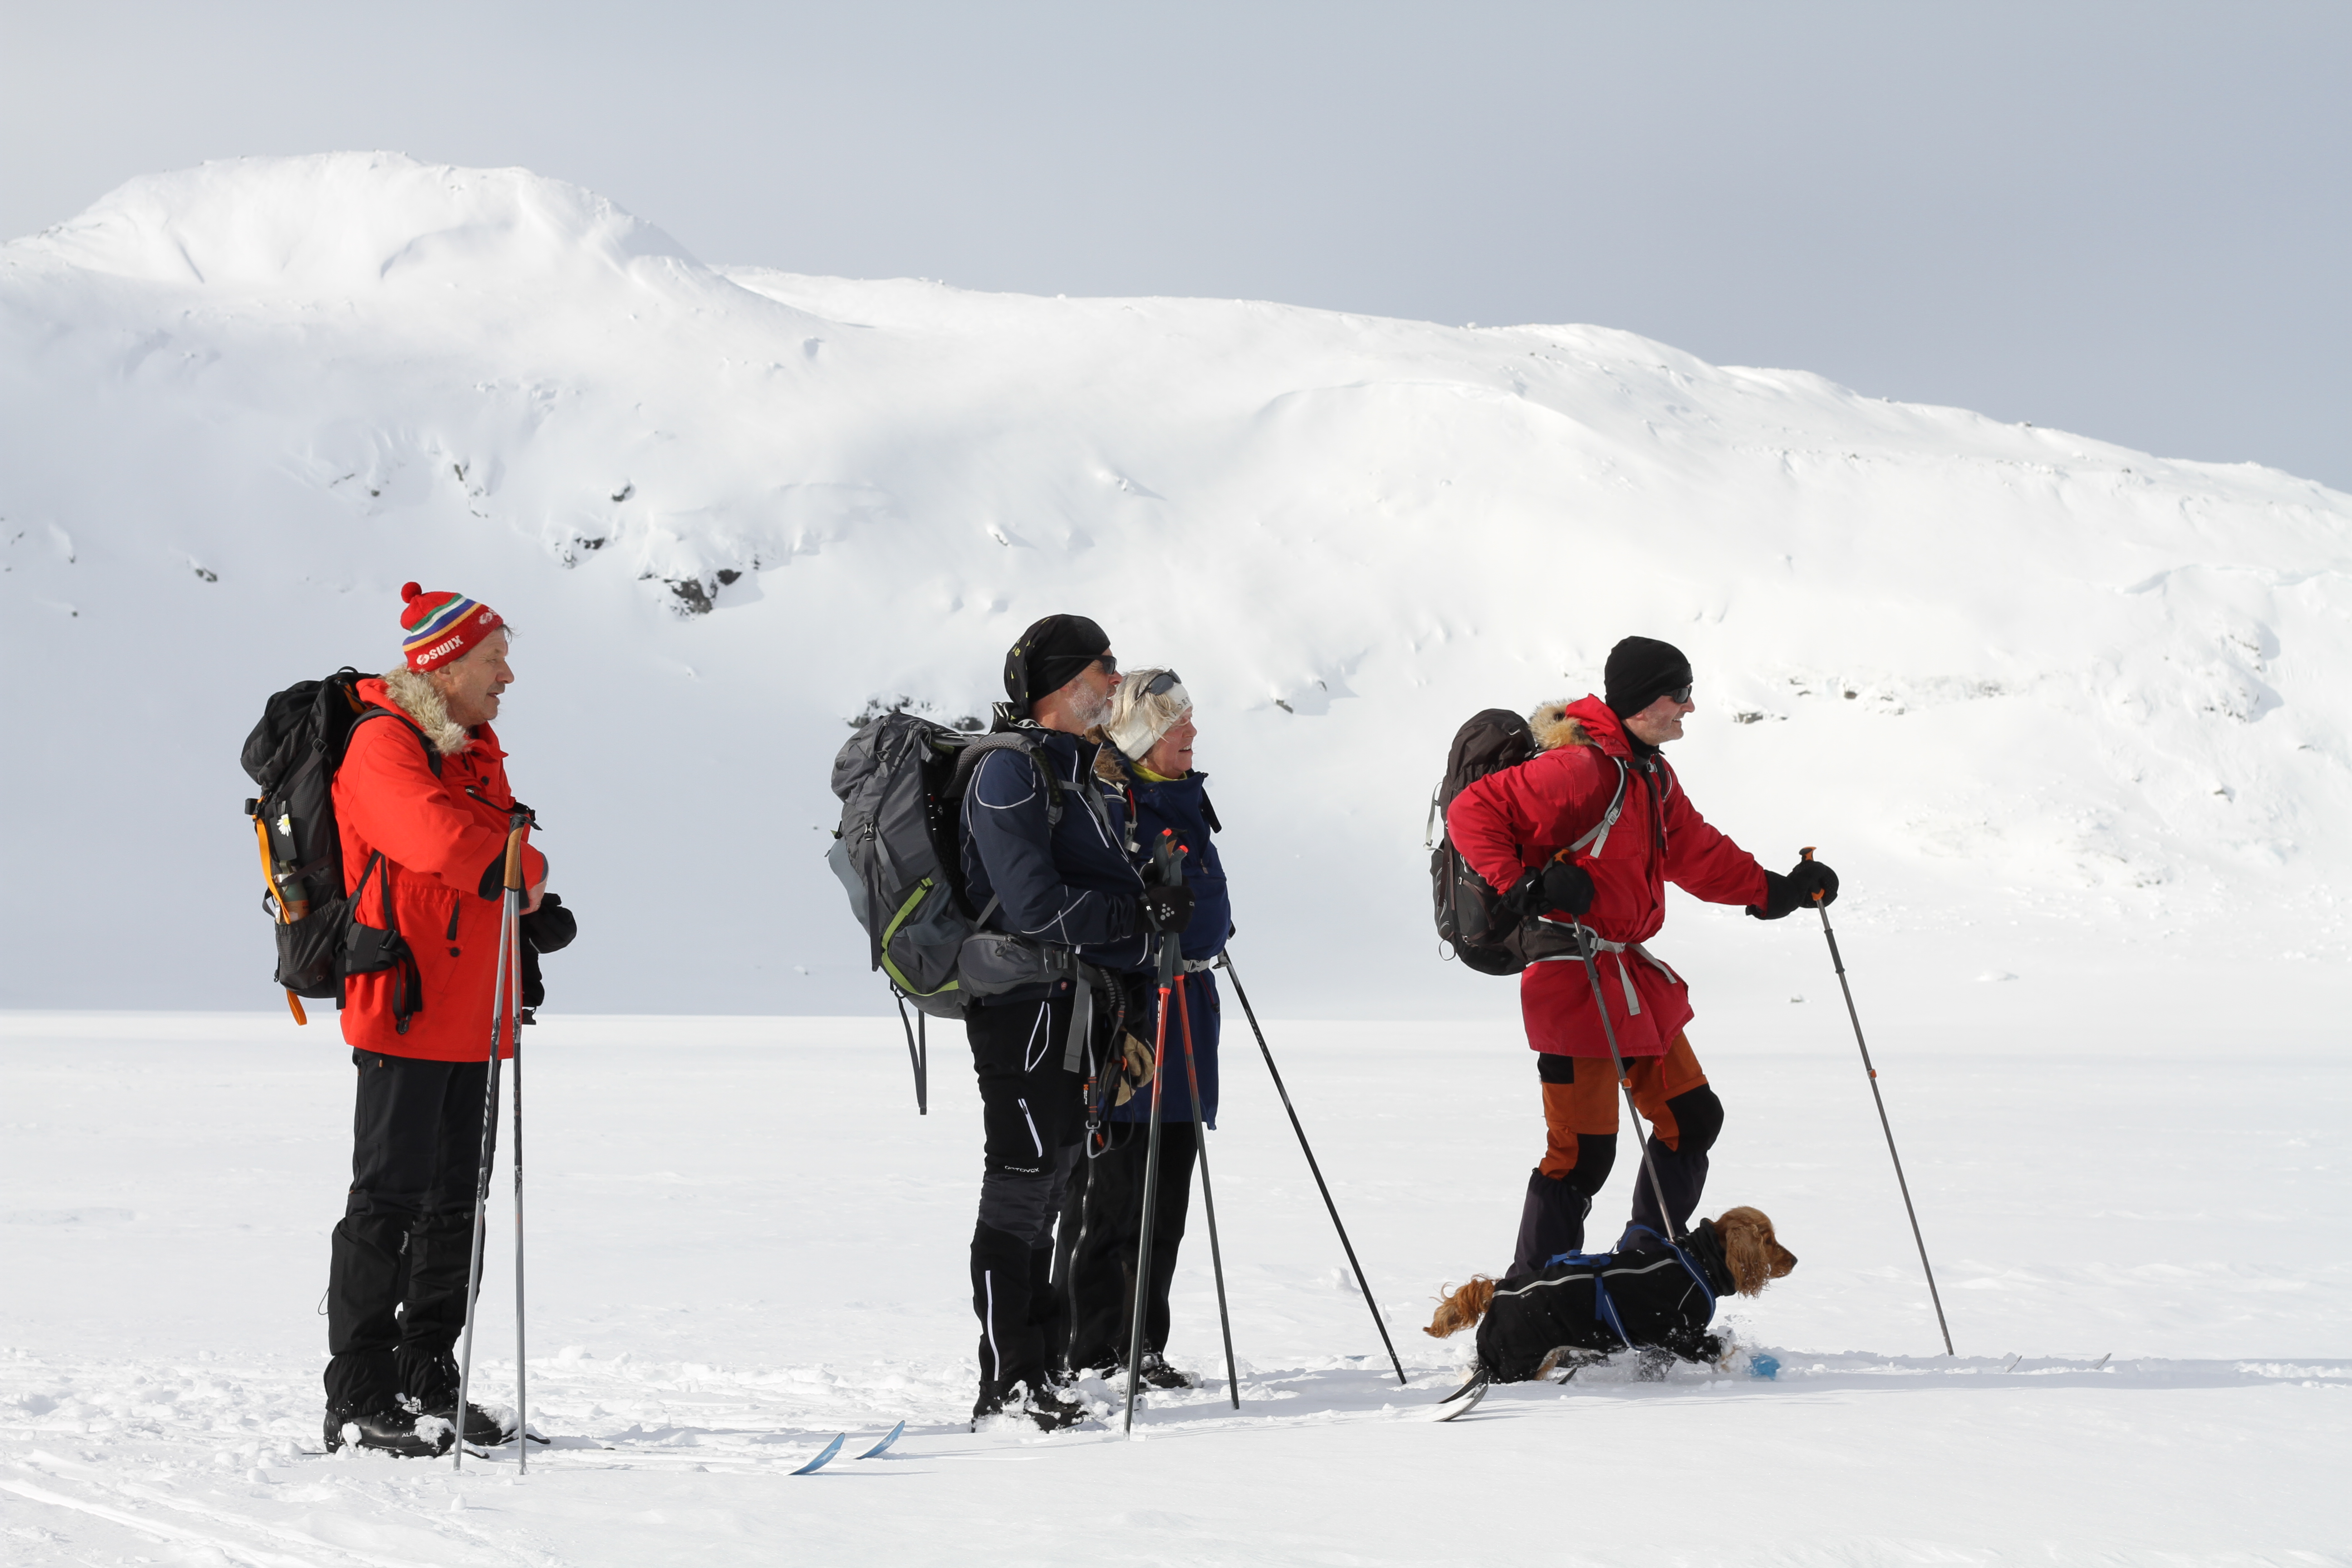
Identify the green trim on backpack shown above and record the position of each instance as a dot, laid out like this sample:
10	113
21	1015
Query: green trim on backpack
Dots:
922	891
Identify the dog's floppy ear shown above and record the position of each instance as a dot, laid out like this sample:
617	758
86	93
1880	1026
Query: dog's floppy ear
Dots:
1462	1309
1750	1251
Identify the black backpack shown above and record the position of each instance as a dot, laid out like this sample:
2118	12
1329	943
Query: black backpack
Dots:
293	755
1472	922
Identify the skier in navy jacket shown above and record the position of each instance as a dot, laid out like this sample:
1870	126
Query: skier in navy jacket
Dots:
1149	761
1052	862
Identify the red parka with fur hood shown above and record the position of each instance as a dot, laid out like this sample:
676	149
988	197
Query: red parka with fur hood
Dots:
1520	817
443	842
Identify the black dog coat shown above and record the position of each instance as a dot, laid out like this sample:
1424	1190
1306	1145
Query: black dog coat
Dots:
1649	1292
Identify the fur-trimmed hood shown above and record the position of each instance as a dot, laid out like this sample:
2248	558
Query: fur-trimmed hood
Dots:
1554	726
1586	721
1110	763
421	701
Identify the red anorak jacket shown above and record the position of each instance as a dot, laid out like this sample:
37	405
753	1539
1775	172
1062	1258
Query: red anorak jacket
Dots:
443	842
1519	818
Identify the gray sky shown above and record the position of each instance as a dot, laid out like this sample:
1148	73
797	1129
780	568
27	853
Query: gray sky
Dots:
2133	221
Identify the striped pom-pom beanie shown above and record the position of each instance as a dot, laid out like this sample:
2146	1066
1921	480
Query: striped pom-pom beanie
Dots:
442	626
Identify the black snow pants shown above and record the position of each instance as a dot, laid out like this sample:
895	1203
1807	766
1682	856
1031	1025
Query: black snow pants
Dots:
396	1276
1032	1117
1102	1223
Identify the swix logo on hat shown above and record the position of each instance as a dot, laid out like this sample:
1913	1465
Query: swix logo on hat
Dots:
442	626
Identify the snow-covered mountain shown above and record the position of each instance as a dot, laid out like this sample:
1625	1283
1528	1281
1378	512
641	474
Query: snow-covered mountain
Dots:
2020	685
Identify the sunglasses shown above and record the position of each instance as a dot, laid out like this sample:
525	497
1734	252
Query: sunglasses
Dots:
1163	683
1683	694
1106	663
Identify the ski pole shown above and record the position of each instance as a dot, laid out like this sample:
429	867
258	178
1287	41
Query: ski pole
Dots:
1164	855
522	1374
510	905
1208	1194
1625	1084
1151	1185
1885	1126
1225	962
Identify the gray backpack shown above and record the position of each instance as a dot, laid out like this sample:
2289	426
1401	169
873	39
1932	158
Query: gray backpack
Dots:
899	854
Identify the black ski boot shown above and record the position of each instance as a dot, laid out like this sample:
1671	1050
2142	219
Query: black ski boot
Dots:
483	1430
392	1431
1158	1374
1038	1401
432	1384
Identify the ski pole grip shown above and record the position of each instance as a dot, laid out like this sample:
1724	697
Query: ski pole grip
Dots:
514	858
1807	854
1166	859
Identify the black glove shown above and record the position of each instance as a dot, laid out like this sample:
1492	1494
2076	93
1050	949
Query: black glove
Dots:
550	927
1784	895
547	928
1167	909
1554	885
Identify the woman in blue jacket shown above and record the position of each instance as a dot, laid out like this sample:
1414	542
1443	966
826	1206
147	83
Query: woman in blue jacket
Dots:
1150	757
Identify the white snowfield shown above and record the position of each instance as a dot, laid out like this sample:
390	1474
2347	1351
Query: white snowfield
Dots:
2072	721
744	1241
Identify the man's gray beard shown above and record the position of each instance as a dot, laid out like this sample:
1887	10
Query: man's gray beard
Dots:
1095	716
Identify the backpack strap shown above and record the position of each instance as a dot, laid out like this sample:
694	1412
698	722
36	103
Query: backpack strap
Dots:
408	983
967	761
377	710
1598	833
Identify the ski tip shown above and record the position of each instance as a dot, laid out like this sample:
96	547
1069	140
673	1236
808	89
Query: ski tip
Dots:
1476	1378
875	1452
813	1466
1469	1393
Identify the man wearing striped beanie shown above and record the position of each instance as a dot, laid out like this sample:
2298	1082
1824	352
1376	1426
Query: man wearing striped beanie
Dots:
421	804
441	629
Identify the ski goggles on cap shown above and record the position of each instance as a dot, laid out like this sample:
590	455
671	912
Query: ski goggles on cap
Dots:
1163	683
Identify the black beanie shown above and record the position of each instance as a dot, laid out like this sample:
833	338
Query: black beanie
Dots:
1640	671
1048	656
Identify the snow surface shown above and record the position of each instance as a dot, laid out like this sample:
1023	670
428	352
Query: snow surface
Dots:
2071	720
2000	674
744	1241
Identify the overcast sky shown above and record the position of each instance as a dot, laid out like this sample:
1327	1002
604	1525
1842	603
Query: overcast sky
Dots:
2131	221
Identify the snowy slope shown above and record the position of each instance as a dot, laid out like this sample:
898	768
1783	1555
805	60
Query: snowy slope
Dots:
2001	674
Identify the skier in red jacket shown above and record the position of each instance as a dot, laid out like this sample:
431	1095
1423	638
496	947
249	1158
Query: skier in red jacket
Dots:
1540	834
422	801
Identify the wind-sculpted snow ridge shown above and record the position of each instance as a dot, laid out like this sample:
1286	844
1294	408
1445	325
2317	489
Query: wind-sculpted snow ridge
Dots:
348	226
2001	673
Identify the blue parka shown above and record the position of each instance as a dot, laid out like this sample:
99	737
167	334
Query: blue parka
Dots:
1182	804
1070	882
